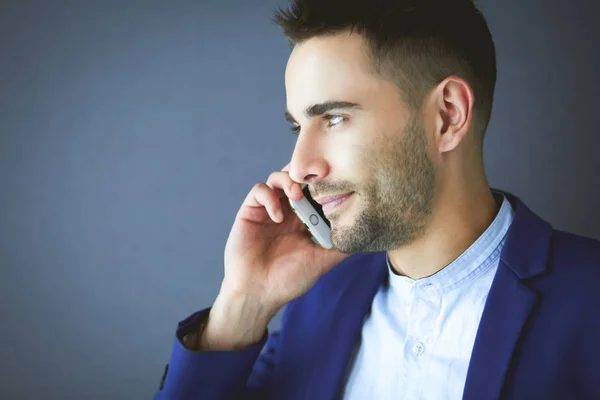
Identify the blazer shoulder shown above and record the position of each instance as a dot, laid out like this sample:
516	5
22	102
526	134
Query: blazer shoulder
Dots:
580	253
573	270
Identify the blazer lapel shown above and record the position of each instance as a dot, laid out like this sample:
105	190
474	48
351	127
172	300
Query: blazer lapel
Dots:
508	306
510	303
344	327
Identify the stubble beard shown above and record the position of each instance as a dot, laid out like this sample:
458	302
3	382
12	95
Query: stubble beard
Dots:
395	205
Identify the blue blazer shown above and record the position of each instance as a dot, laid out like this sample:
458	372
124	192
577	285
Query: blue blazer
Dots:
539	335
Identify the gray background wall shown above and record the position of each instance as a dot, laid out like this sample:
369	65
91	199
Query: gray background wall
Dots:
130	132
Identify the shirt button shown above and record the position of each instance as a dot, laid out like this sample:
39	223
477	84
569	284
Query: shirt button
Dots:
418	348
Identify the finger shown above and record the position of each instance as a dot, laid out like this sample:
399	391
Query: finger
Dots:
262	195
287	167
280	180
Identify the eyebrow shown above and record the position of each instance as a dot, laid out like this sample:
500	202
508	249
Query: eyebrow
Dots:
318	109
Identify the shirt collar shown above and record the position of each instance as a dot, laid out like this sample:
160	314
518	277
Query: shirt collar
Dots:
470	264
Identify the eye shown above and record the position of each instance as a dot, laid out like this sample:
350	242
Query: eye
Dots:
334	120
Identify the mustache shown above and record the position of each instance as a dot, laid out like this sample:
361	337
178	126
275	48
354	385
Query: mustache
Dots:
326	188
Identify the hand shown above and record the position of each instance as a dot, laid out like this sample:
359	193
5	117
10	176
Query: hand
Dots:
269	255
270	259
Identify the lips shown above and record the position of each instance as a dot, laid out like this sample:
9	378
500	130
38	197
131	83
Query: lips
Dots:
330	199
334	202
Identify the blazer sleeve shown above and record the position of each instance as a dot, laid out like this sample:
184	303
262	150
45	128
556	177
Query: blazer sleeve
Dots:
243	374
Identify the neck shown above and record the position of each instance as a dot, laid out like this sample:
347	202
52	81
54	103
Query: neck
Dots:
460	216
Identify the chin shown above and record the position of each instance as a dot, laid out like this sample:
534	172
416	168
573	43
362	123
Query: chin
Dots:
340	230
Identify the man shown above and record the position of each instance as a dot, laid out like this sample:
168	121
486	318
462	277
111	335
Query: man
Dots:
438	287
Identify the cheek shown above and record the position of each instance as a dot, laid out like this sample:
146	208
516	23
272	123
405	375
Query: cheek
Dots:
356	153
348	154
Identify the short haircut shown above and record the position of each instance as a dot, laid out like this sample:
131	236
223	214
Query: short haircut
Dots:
414	43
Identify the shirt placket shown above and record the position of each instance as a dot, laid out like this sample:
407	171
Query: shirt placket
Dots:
421	323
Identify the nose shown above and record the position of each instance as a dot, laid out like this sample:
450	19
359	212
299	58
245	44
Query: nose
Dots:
308	164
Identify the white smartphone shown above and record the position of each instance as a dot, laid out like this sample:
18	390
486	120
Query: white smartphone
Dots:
311	213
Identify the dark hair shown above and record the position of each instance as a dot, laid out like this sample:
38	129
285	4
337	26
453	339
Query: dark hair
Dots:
415	43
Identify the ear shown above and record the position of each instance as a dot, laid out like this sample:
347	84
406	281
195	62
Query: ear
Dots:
453	108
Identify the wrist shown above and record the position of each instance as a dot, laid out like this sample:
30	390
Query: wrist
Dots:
235	322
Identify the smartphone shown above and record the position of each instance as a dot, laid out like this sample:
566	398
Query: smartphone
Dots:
311	213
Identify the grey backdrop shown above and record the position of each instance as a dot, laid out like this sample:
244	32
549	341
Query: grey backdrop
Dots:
132	131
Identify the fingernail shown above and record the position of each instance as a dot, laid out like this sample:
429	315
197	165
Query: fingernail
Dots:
279	215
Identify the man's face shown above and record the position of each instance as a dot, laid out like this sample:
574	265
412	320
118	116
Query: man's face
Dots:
377	149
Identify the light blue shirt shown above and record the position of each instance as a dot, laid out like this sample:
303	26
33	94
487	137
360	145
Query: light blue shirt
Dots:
417	340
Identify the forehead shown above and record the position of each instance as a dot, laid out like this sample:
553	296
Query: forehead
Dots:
325	68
